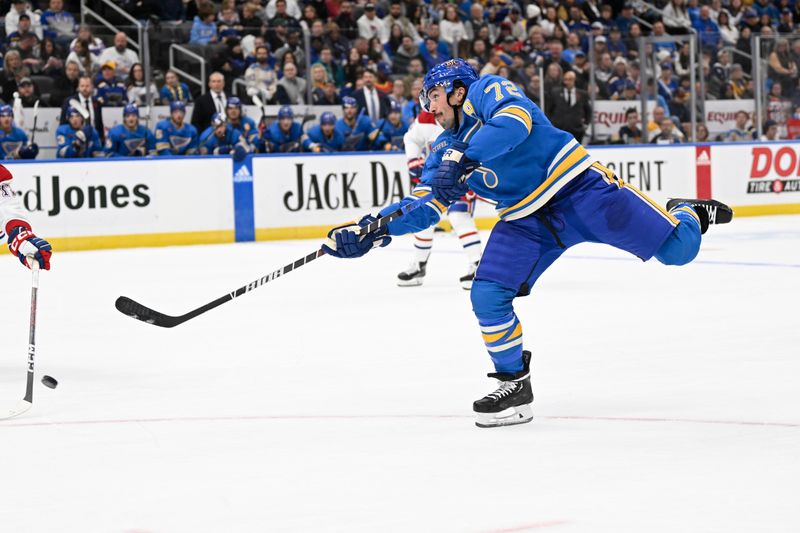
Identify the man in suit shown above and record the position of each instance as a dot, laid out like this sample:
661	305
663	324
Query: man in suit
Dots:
569	108
85	97
374	103
214	101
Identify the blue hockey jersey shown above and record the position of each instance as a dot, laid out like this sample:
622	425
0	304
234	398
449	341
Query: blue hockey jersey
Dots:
171	140
211	144
275	135
525	160
11	142
122	142
391	132
67	148
316	136
361	136
248	129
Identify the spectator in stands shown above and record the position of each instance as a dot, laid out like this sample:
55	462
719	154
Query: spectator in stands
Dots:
654	124
230	61
630	133
260	77
52	62
729	33
327	95
569	108
122	57
28	92
18	8
214	101
323	137
204	27
172	10
370	99
740	88
666	134
111	91
740	132
84	97
369	25
332	67
707	29
13	71
345	21
65	84
95	44
76	139
702	133
14	140
625	18
251	23
676	17
290	8
782	68
137	90
431	54
399	95
632	40
174	90
319	76
395	16
293	47
23	38
59	24
452	29
88	62
770	131
291	88
667	82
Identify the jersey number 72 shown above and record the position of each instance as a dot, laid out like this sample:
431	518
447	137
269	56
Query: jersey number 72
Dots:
509	87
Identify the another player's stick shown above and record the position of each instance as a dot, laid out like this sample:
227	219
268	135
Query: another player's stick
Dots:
81	109
140	312
35	119
27	402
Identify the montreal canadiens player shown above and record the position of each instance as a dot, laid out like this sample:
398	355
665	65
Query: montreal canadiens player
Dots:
21	240
550	195
418	141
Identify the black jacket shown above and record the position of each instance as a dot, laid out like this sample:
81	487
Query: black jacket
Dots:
204	109
572	118
98	114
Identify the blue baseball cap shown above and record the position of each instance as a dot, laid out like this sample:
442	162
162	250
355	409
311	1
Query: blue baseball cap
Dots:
327	118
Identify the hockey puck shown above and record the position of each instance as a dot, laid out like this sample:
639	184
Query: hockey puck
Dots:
49	382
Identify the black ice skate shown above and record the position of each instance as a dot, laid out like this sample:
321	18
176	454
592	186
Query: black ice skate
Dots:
510	404
709	211
413	276
466	280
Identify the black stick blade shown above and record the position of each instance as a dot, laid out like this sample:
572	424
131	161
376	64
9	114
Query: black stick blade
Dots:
134	309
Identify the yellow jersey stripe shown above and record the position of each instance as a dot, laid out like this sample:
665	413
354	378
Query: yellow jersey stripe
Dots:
690	211
518	112
666	214
475	127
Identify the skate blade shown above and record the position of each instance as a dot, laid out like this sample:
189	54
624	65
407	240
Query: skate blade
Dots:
466	285
416	282
510	417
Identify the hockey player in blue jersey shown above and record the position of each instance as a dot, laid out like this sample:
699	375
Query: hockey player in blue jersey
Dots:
284	135
174	136
393	127
13	140
359	133
323	137
247	127
76	139
130	139
220	138
550	195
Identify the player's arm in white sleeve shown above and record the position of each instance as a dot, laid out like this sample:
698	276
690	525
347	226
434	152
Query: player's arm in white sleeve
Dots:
21	240
417	141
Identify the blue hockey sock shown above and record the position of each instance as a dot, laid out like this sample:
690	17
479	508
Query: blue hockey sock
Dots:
683	243
503	339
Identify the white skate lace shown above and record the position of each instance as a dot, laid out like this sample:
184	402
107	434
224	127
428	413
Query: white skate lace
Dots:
506	388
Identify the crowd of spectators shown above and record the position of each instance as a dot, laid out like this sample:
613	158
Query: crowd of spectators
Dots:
374	53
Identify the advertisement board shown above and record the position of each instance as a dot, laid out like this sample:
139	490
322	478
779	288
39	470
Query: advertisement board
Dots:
102	203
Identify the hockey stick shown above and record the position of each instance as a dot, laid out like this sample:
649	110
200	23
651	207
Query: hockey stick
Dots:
138	311
27	402
35	119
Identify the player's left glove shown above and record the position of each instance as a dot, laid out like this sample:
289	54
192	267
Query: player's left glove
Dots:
29	151
239	153
450	181
344	241
22	243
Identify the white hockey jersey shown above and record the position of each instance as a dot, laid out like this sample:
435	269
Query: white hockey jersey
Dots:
11	212
420	136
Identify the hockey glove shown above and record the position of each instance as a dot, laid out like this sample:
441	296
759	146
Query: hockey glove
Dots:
239	153
344	242
415	167
223	149
23	243
29	152
450	181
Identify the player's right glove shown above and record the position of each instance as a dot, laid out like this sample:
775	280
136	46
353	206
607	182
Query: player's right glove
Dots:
79	144
344	241
22	243
450	181
239	153
29	151
222	149
415	167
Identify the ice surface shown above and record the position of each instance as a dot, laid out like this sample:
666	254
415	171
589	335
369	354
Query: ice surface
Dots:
667	399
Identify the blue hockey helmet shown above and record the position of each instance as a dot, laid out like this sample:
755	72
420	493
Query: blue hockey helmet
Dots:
327	118
130	109
217	120
285	112
450	74
177	105
349	101
6	111
233	102
395	107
